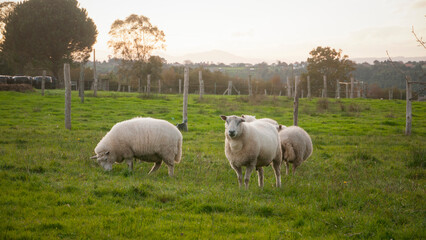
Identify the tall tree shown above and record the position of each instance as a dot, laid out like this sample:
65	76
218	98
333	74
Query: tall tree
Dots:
134	39
5	9
329	62
48	33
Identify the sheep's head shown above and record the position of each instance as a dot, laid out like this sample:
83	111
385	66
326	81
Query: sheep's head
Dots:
233	126
104	159
249	118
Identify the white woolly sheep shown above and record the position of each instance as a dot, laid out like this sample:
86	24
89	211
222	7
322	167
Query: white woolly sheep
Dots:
147	139
250	118
252	145
296	145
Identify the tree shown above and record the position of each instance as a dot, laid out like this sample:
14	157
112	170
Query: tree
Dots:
329	62
5	9
154	66
47	33
134	39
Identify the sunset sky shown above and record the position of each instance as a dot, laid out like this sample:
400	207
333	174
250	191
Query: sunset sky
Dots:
272	30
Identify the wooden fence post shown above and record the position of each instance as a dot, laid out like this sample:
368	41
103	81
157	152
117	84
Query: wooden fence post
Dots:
358	90
180	86
185	98
352	88
81	88
148	84
288	87
337	89
139	85
364	90
201	82
249	86
347	90
43	82
309	87
159	86
67	81
296	101
325	86
229	87
408	112
95	78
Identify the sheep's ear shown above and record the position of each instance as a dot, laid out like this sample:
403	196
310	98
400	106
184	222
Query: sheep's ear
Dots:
94	157
223	117
280	127
242	116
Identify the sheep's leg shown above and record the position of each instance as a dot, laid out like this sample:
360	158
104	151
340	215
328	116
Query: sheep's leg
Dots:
260	176
276	165
239	173
249	169
155	167
170	168
286	167
295	165
130	164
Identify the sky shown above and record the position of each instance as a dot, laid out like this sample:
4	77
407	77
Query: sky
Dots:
271	30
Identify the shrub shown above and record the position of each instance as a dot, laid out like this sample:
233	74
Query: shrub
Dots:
322	104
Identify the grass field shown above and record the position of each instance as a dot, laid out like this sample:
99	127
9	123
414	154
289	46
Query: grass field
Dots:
365	179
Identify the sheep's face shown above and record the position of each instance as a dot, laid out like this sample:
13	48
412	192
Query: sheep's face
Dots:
105	159
233	127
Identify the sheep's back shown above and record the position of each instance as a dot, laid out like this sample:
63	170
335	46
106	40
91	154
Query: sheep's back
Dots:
143	136
266	136
299	139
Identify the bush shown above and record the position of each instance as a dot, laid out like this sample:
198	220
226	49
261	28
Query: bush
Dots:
322	104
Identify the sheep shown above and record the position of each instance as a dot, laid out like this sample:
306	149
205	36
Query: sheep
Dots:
296	145
253	145
250	118
147	139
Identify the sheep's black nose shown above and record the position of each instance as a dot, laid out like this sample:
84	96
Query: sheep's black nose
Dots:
231	133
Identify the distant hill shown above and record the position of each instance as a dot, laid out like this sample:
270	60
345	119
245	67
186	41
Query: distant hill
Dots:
371	60
215	56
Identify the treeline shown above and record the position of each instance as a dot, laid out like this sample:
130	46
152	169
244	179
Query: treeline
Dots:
388	75
381	77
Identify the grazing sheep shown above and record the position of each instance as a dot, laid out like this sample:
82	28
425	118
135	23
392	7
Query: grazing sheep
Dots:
253	145
296	145
147	139
250	118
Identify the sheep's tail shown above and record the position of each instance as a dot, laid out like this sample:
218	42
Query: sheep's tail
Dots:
289	152
179	151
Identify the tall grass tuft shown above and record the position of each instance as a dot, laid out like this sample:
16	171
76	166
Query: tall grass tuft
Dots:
417	158
363	156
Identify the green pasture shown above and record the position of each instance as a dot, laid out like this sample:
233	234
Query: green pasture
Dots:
365	179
